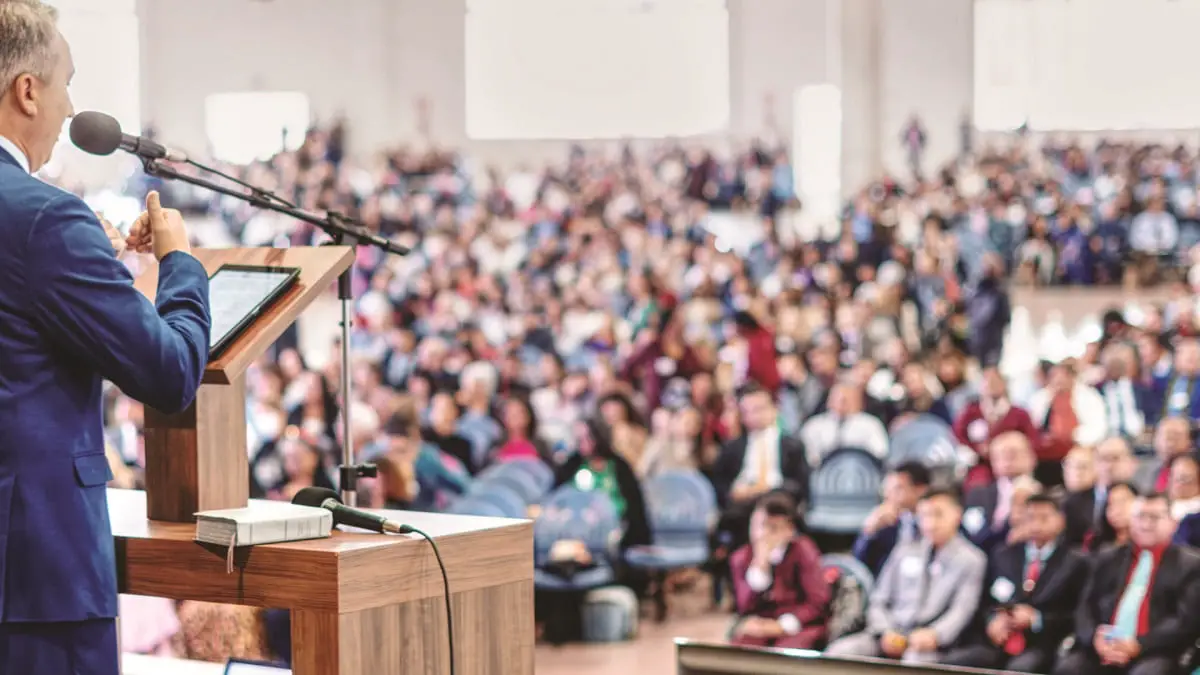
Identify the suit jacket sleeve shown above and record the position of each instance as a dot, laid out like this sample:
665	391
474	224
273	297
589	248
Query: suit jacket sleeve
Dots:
84	301
965	601
1059	618
1175	634
726	469
795	467
817	593
1087	614
873	550
743	595
879	618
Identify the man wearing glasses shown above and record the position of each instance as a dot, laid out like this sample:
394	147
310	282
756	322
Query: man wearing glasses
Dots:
1141	608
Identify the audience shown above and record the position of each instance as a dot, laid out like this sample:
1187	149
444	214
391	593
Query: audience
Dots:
781	596
927	593
893	523
586	316
1141	607
1029	602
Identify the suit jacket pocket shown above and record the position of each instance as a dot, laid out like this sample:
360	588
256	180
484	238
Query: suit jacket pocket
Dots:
93	470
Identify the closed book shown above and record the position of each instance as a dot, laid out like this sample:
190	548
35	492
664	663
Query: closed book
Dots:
262	522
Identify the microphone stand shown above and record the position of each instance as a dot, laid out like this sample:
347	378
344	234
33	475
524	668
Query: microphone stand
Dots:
343	231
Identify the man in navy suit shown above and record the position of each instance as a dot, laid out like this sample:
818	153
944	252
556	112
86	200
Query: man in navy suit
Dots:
70	318
893	522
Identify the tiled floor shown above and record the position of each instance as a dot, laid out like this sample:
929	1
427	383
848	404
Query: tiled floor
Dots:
652	652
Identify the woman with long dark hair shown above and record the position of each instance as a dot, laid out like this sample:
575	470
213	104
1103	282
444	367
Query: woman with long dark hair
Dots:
596	467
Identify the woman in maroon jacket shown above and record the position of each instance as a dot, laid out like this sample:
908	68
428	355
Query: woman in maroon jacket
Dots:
781	593
986	418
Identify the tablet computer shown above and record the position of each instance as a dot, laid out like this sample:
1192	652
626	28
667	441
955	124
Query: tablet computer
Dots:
239	294
240	667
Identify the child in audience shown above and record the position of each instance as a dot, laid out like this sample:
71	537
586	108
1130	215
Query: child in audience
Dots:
781	594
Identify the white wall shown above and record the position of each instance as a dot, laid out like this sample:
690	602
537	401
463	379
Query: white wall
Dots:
373	59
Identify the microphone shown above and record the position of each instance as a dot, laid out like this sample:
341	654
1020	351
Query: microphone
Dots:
100	134
324	498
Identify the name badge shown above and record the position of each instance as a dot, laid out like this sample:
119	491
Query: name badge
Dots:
1179	400
911	566
1002	590
977	431
973	519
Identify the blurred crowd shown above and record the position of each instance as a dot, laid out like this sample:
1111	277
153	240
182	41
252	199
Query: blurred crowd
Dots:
604	302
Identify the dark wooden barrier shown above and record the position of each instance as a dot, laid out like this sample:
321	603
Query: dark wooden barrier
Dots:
706	658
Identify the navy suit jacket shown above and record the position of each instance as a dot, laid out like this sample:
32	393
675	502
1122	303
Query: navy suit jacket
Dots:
1188	531
873	550
69	319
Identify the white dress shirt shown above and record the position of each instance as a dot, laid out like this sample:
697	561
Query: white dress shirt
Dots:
825	433
1182	508
759	581
761	446
12	149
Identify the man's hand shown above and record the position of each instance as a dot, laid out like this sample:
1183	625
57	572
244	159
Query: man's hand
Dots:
159	230
1109	650
999	628
884	515
893	644
923	640
1128	648
1022	617
114	236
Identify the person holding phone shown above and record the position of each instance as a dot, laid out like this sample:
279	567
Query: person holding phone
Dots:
1030	597
1141	608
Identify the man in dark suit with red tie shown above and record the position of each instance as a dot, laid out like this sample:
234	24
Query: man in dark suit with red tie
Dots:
1032	591
781	593
1141	608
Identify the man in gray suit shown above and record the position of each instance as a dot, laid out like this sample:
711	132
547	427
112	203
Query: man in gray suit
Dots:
927	592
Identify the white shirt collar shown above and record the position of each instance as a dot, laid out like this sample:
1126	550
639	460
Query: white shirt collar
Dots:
12	149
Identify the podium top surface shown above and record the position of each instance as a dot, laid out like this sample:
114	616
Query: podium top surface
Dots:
344	572
319	267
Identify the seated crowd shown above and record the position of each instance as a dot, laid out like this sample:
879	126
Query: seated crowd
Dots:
585	318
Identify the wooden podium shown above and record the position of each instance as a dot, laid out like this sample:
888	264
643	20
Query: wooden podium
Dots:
362	604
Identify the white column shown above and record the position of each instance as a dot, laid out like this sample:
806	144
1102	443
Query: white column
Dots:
103	35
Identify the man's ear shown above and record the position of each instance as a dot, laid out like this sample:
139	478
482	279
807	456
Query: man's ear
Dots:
24	93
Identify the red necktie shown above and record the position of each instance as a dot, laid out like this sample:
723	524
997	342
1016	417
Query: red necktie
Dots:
1016	642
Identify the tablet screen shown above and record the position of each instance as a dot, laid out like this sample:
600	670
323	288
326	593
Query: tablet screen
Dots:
238	294
246	668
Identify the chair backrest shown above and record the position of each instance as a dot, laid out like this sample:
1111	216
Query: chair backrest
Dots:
847	476
929	440
678	503
851	583
570	513
542	475
469	506
511	504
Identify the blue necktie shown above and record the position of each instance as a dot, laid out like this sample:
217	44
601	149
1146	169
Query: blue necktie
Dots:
1125	625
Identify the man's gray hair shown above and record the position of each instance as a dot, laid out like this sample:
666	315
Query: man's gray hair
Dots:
28	29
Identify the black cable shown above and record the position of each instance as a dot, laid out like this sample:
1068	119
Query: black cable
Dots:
445	586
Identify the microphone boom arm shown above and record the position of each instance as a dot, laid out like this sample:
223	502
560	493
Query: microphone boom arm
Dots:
342	230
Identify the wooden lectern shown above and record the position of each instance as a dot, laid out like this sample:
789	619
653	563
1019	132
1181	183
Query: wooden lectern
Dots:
362	604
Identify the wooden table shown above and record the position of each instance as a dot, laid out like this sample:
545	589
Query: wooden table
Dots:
362	604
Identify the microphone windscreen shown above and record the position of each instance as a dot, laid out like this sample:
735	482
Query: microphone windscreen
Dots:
314	496
96	133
